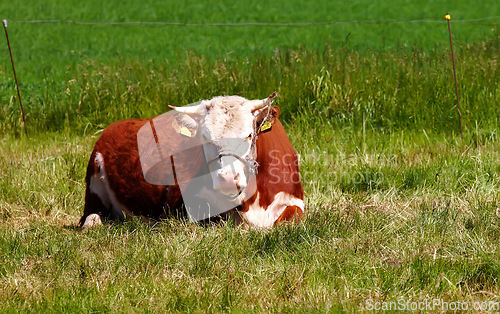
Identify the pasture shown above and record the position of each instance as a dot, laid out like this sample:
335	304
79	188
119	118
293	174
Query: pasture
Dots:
398	207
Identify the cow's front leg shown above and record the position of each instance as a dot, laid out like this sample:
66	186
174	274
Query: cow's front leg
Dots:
290	214
92	211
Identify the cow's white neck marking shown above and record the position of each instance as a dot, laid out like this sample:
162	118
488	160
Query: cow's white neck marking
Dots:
265	218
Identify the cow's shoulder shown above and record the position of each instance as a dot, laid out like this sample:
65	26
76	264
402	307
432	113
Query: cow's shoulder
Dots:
279	194
278	165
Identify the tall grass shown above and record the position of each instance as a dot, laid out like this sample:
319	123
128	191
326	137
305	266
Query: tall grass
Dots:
386	91
45	50
51	55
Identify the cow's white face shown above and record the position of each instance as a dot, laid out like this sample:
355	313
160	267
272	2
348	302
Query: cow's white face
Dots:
226	127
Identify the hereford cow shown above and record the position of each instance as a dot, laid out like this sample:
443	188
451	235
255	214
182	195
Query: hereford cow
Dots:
236	148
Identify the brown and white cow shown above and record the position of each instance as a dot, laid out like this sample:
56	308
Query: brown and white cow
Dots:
263	179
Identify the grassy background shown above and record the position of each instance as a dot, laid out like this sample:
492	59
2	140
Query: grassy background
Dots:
398	206
48	54
393	90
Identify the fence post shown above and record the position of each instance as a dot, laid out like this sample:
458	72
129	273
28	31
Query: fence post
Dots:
15	78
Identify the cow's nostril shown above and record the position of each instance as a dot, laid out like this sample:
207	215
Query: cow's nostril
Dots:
228	179
221	177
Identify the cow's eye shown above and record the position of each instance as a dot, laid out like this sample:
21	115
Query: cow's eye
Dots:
249	137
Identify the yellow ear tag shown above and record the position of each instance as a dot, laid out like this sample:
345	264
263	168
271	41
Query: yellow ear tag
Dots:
185	131
266	126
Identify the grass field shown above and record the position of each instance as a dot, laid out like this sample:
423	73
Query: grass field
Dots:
403	216
47	54
399	208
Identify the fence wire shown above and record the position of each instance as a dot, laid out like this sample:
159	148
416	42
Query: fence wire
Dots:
262	24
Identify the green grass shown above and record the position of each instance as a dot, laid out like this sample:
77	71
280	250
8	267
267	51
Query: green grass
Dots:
48	54
396	90
69	43
398	206
421	221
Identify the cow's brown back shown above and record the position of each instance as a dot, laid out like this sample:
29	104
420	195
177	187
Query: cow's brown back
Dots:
119	149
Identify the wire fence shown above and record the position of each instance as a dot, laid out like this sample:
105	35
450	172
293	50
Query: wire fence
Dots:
266	24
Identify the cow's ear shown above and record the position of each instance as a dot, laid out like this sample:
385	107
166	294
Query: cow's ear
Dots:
185	125
187	118
266	117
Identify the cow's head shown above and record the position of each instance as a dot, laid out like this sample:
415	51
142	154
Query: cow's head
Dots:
227	127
